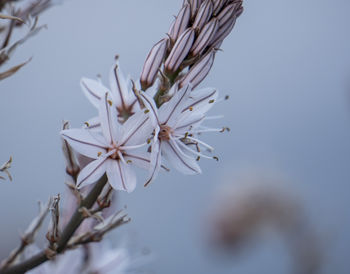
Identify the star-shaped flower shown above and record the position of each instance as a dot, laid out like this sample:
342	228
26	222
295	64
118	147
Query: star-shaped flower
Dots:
120	90
115	150
175	124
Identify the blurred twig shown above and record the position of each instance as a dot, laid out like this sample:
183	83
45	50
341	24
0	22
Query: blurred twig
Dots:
5	167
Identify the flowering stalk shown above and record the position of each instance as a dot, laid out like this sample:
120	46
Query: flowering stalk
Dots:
193	39
135	128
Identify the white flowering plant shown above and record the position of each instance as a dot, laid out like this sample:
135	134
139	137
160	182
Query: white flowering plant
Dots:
154	123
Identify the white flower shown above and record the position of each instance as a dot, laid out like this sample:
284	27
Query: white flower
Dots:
175	124
115	151
121	94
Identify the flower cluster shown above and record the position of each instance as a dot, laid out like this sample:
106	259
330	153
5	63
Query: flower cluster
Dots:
193	39
131	131
162	119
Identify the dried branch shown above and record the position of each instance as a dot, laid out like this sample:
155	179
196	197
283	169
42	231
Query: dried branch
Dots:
13	70
29	234
5	167
66	235
72	167
53	233
96	235
10	17
7	51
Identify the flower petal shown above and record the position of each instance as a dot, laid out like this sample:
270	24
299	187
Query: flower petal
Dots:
109	120
93	90
120	175
137	129
201	100
188	121
85	142
156	160
151	108
92	172
169	112
120	91
139	159
178	159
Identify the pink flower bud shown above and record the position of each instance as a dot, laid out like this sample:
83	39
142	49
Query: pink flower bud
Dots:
205	36
228	13
218	4
180	50
199	71
195	4
181	22
223	32
204	13
152	63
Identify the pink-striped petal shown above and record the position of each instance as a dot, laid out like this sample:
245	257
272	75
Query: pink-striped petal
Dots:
109	120
92	172
93	90
120	175
85	142
137	129
178	159
156	161
169	111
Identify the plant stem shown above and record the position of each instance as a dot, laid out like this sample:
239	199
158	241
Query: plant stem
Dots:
67	233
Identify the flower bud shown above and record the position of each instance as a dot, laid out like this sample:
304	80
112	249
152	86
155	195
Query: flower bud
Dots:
180	50
181	22
205	36
204	13
218	4
199	70
228	13
195	4
222	32
153	61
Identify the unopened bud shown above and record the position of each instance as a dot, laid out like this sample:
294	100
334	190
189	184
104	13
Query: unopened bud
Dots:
180	50
227	13
218	4
199	71
195	4
181	22
204	13
222	32
152	63
205	36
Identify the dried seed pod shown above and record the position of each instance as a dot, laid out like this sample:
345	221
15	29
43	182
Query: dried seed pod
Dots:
153	61
204	13
205	36
199	71
181	22
180	50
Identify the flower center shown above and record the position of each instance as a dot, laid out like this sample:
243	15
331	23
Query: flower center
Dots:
115	155
165	132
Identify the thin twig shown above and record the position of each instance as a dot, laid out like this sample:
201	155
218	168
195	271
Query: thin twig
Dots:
67	233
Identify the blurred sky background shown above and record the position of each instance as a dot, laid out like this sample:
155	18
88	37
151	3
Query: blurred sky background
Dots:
286	67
